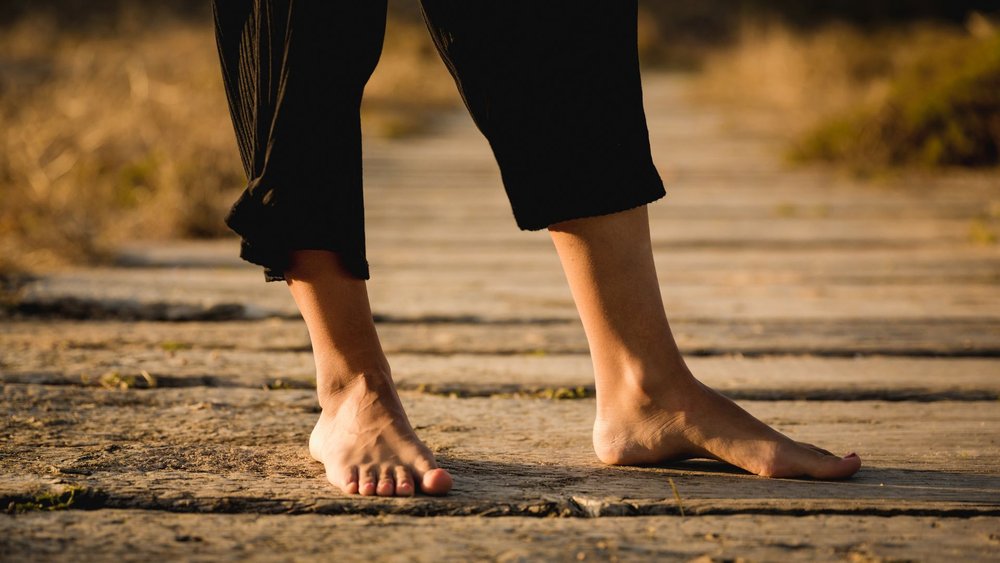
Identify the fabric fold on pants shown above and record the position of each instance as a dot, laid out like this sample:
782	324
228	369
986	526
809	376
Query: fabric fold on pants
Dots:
554	86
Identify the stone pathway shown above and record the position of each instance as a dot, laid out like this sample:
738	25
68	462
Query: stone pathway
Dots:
160	408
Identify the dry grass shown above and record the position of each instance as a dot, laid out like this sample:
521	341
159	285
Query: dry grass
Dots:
895	97
942	110
112	137
122	132
105	139
801	75
409	81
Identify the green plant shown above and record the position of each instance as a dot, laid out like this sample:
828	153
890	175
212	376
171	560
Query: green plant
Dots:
50	500
943	109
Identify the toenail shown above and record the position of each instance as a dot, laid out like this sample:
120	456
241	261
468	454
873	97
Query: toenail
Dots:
852	454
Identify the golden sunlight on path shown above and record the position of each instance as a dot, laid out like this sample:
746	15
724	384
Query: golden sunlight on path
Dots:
160	408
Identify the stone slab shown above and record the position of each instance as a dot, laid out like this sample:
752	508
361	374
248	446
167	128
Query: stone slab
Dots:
416	278
760	378
925	337
139	535
243	450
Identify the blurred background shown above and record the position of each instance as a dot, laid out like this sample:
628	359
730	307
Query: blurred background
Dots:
114	125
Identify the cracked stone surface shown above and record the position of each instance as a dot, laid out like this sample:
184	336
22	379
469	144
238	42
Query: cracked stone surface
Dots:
137	535
166	448
158	408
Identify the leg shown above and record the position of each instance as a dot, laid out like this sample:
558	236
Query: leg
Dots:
650	408
294	75
363	436
556	90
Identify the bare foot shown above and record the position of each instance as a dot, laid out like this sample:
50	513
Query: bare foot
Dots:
365	440
690	420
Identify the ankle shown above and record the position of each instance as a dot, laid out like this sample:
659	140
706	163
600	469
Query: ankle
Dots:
333	389
641	374
636	385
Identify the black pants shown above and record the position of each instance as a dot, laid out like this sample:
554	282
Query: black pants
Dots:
552	84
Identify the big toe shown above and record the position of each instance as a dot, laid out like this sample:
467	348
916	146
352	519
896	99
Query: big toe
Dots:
833	467
436	482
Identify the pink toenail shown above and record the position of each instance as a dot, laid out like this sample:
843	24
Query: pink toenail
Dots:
852	454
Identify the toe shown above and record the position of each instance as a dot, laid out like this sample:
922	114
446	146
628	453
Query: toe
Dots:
436	482
850	464
348	482
432	479
834	467
404	482
369	478
386	485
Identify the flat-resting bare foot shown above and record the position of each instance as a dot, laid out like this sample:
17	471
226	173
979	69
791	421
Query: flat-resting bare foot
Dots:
367	445
690	420
650	409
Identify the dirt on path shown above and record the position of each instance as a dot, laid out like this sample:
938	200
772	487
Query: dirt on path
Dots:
159	408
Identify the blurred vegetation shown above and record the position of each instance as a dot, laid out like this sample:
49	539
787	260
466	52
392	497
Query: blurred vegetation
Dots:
107	137
114	125
679	34
940	109
922	93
